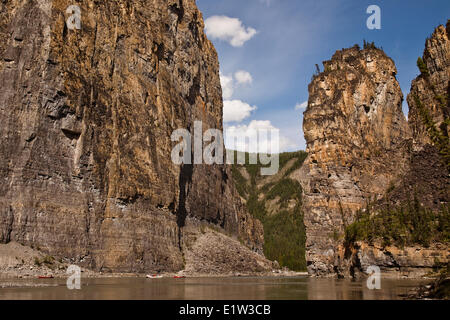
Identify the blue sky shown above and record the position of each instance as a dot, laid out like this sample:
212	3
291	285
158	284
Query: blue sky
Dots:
280	41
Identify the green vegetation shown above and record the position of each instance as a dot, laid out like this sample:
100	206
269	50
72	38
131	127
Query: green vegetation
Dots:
369	45
442	100
317	70
439	139
403	225
284	231
47	260
422	67
285	189
239	182
300	158
37	261
285	239
285	157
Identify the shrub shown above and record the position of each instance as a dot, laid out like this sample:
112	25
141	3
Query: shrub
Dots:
37	261
422	67
48	260
442	100
369	45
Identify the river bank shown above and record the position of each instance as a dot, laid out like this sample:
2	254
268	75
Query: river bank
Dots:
28	273
21	262
211	288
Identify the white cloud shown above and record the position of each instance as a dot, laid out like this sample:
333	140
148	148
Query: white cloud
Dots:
243	77
229	83
227	86
228	29
236	110
255	128
301	106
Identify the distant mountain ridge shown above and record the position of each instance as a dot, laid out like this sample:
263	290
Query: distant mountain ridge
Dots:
276	201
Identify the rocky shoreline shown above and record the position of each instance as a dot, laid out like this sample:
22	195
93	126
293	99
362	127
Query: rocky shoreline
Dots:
21	267
21	262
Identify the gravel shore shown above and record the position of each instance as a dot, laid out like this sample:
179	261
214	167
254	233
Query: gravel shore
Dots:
21	262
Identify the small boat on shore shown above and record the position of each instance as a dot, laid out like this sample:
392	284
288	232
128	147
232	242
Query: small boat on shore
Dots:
45	277
179	277
154	276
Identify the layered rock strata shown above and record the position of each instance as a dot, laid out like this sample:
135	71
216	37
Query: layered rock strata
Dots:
355	132
429	92
86	121
360	146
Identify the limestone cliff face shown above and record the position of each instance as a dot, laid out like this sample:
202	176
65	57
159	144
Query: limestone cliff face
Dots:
355	132
429	120
411	261
430	90
360	145
86	119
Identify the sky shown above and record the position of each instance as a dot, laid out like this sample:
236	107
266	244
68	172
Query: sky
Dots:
268	50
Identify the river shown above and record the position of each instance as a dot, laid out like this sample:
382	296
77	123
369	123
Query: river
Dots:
252	288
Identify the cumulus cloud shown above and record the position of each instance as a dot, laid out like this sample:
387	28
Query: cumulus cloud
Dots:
243	77
230	82
269	139
236	110
301	106
228	29
227	86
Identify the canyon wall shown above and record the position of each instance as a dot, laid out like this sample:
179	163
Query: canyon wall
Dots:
429	91
87	116
360	146
355	132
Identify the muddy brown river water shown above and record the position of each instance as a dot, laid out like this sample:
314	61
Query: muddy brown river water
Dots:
294	288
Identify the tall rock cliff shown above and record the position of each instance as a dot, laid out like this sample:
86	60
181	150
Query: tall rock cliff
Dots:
428	99
355	132
364	158
86	121
427	180
429	120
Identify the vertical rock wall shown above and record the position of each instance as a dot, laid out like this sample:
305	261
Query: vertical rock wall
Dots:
360	144
86	119
429	92
355	132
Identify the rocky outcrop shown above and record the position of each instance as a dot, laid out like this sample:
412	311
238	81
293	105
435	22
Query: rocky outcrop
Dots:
361	150
411	261
429	92
355	132
87	116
